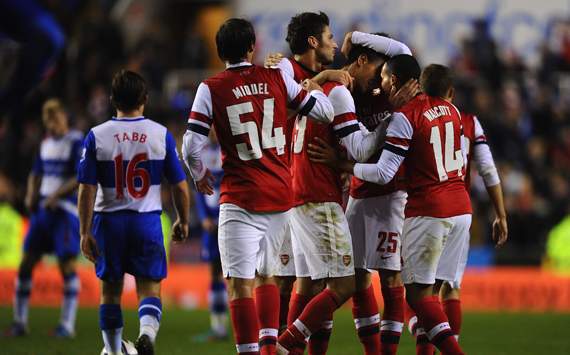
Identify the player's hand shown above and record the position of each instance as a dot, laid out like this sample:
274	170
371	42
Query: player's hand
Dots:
273	59
310	85
399	98
346	44
89	247
204	186
179	231
321	152
50	202
208	225
341	76
500	231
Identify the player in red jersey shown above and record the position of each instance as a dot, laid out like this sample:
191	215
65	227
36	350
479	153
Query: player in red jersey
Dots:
426	135
247	106
436	80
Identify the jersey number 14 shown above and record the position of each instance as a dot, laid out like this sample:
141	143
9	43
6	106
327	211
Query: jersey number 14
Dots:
453	158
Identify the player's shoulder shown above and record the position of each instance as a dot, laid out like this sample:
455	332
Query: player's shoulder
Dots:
411	109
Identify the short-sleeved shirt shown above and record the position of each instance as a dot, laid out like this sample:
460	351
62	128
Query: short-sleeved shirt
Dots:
127	158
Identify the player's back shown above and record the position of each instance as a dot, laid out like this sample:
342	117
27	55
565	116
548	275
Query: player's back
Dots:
249	107
430	129
132	155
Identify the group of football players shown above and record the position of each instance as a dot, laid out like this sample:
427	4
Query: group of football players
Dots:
291	134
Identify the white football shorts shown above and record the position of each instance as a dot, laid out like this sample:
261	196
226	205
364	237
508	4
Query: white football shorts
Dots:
434	248
286	266
249	241
376	227
321	241
462	263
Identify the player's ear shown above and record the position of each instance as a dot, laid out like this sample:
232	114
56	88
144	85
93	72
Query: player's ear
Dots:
313	42
362	59
451	94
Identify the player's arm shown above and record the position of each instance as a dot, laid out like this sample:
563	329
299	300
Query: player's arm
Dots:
33	186
398	136
485	165
179	189
358	141
196	138
380	44
87	178
311	102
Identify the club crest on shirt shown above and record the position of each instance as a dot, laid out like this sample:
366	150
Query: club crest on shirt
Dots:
346	259
284	259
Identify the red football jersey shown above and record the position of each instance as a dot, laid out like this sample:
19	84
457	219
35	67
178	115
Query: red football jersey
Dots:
427	131
373	111
314	182
247	106
473	134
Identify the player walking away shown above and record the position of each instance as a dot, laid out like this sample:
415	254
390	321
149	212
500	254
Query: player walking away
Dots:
54	227
436	80
123	163
247	106
426	134
208	209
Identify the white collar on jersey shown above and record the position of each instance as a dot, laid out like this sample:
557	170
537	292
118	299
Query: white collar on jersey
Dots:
242	64
137	118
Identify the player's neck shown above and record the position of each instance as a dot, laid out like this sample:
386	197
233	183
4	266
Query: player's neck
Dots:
309	60
128	114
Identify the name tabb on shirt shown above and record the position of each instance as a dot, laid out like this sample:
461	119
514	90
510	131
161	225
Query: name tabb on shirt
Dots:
436	112
130	137
250	89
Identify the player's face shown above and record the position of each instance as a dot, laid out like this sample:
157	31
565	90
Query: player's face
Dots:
367	78
387	81
55	123
327	47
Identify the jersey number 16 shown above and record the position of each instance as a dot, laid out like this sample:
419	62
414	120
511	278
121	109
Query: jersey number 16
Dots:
132	174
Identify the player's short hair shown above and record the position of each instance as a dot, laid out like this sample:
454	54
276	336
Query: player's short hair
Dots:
404	67
304	25
357	50
234	39
52	106
128	91
436	80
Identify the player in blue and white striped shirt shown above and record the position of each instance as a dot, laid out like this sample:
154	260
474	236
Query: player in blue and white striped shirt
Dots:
123	163
54	226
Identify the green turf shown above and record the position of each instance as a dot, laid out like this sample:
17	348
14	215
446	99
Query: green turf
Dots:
486	334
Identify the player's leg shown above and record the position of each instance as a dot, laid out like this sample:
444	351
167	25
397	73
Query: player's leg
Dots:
425	236
150	314
452	307
111	315
329	255
365	312
22	294
285	278
392	322
66	246
71	287
218	295
239	236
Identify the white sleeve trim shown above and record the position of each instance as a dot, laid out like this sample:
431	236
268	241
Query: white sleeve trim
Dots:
322	110
203	101
192	145
341	100
383	171
286	67
399	127
362	144
381	44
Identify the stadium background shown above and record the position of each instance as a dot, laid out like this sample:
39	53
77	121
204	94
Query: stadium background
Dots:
512	60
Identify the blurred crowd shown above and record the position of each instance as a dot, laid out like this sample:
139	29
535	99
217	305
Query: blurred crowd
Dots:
524	111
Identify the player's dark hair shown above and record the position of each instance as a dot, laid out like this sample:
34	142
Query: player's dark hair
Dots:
357	50
404	67
234	39
436	80
128	91
302	26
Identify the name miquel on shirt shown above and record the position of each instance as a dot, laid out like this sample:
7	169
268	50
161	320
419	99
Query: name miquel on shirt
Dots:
250	89
130	137
436	112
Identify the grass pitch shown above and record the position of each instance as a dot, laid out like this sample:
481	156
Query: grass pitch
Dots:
486	334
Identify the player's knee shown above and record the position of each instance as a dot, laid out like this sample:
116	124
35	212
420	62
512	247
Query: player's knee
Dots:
362	279
240	288
27	265
343	288
111	292
68	265
285	284
390	278
447	292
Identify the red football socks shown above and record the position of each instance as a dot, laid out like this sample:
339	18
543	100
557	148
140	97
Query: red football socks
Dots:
436	325
367	320
244	323
267	302
452	309
392	320
319	340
